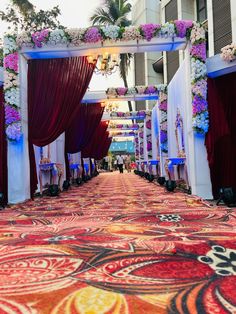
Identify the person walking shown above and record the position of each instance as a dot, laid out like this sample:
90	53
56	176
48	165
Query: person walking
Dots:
120	162
128	163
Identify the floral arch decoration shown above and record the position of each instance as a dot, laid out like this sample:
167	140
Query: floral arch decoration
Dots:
193	31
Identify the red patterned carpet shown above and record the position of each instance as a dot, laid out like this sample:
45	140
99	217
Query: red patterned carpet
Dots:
120	245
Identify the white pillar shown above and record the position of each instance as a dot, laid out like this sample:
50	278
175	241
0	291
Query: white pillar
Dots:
199	171
210	27
18	154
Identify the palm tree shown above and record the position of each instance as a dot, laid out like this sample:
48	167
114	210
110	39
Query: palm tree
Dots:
116	12
24	6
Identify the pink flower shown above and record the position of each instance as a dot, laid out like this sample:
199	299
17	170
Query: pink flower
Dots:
11	61
40	37
163	105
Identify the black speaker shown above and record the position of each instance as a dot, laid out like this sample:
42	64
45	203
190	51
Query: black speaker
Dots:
2	203
150	177
66	185
53	190
170	185
161	180
79	181
228	196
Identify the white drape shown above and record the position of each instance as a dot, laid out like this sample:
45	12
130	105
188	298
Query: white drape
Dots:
179	97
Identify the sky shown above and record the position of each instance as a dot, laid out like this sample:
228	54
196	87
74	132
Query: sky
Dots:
76	13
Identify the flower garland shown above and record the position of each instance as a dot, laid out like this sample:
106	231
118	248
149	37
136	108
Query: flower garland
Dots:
136	90
96	34
11	89
199	79
162	105
129	115
228	53
133	126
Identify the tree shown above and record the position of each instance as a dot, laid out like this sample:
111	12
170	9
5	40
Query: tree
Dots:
22	16
115	12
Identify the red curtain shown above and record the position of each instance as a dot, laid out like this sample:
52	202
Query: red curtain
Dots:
81	130
83	126
3	149
104	147
55	90
92	149
221	138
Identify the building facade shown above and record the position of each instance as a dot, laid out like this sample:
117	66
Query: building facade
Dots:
218	16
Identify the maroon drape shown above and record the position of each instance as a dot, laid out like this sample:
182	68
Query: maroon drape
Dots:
83	126
104	147
81	130
221	138
3	149
92	149
55	90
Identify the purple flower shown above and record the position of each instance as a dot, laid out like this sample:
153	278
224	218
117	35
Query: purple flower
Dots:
182	26
11	115
199	105
141	113
13	132
199	51
149	146
40	37
120	114
92	35
121	91
150	90
149	30
163	136
163	106
141	134
148	124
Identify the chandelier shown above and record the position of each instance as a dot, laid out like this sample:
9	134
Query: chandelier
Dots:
107	64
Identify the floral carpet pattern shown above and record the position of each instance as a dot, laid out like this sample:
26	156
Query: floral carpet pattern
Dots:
121	245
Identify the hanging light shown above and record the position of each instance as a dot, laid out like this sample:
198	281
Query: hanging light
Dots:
107	64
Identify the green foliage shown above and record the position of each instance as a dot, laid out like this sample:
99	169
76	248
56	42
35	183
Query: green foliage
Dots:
1	57
22	17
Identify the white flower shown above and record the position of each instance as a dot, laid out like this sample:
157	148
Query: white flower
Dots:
76	35
10	80
197	33
168	30
111	91
199	69
131	33
111	31
57	37
24	40
228	53
12	96
9	45
162	87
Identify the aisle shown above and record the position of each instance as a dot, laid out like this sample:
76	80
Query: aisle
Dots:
118	244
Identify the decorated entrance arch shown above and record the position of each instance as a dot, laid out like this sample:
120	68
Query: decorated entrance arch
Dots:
92	42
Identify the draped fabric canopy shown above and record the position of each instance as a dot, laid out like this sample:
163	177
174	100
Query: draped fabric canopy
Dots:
55	90
221	138
3	149
100	135
81	130
83	126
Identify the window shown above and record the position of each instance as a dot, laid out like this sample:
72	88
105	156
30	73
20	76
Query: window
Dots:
201	10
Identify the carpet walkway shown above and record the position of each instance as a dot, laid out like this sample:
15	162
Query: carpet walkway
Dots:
121	245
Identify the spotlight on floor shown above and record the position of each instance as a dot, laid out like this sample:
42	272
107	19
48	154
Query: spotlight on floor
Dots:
78	181
170	185
66	185
53	190
228	196
161	180
2	205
